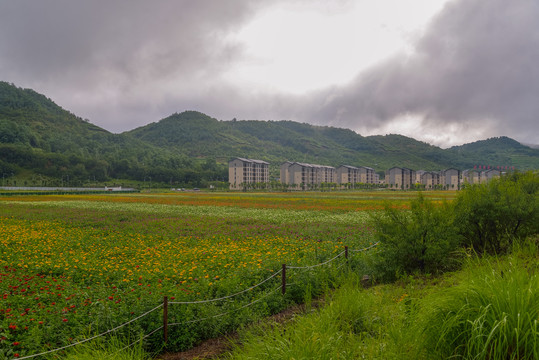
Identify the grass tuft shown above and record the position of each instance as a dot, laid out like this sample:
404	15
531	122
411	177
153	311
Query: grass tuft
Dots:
493	314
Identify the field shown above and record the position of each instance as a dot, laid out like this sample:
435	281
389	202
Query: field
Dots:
73	266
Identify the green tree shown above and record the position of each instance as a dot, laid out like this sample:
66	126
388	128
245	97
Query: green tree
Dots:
491	216
423	239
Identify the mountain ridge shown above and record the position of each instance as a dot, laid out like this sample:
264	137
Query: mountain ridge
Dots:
39	136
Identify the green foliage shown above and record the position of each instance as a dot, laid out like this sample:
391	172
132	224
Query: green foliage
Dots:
488	310
318	335
492	315
498	150
421	240
192	149
491	216
112	348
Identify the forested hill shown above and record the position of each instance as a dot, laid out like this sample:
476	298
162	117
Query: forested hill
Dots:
199	135
39	137
501	150
196	134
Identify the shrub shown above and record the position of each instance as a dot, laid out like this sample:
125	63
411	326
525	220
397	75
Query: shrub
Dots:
422	240
491	216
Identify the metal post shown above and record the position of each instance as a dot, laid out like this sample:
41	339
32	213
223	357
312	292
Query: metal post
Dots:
165	319
283	277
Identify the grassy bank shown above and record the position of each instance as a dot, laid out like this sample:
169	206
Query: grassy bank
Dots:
487	310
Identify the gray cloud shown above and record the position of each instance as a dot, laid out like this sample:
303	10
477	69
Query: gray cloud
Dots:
115	54
127	63
476	65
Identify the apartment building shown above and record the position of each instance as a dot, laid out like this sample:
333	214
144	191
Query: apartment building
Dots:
431	179
302	175
471	176
400	178
285	174
244	172
367	175
419	176
450	179
347	174
489	174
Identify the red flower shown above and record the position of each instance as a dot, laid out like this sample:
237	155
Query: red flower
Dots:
16	343
16	355
64	320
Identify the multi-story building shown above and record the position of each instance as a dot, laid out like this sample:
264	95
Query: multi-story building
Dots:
366	175
347	174
489	174
246	172
430	179
302	175
471	176
400	178
419	176
450	179
285	174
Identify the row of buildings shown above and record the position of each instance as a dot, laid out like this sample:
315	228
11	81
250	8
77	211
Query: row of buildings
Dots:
244	172
306	175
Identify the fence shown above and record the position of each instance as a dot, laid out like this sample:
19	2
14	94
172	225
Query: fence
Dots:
165	305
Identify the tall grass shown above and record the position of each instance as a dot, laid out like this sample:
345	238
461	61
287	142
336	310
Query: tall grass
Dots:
353	324
493	314
488	310
112	348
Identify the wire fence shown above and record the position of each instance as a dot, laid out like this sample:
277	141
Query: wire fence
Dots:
165	304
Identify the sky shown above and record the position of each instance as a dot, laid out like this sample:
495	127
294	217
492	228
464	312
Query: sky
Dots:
446	72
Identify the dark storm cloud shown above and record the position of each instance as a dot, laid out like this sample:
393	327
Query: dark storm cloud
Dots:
115	53
476	64
56	37
123	64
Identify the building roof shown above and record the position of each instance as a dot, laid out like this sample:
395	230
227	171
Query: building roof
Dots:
313	165
349	167
250	161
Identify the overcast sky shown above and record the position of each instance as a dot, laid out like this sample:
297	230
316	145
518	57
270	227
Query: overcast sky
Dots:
443	71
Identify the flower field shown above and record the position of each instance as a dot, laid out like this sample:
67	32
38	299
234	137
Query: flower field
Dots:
72	266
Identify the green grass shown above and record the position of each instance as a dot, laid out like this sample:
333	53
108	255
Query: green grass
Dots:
111	349
493	314
487	310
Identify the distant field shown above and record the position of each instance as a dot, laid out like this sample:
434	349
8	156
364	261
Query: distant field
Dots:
74	265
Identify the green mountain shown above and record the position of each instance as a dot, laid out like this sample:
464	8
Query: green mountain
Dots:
499	151
39	137
198	135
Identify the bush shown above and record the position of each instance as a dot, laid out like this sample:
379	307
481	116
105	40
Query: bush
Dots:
491	216
422	240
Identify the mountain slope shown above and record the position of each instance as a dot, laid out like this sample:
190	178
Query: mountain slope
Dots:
198	135
40	137
498	151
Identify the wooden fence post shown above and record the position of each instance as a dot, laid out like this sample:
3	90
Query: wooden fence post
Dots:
165	318
283	277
